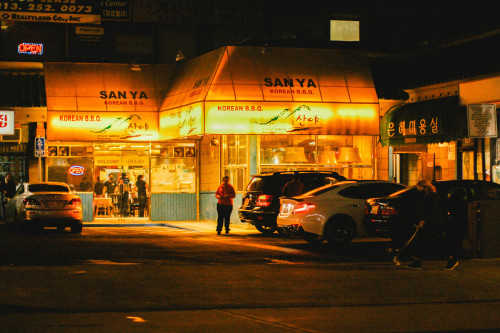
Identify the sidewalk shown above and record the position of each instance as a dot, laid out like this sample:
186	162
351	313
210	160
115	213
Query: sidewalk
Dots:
204	225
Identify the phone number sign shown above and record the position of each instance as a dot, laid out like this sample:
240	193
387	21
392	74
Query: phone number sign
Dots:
51	11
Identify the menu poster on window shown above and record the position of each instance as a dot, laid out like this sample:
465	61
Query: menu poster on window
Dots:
482	120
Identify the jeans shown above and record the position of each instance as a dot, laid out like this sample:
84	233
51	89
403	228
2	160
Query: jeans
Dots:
223	216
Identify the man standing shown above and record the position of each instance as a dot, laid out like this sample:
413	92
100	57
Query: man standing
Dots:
142	190
224	194
110	185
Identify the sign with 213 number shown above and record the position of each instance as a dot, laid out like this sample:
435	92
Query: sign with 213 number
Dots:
51	11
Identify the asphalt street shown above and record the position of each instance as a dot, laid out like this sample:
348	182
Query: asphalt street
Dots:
182	277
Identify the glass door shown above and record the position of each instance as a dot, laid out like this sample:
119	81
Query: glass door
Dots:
122	170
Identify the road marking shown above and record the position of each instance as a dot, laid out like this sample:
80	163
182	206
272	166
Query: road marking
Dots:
137	319
286	262
107	262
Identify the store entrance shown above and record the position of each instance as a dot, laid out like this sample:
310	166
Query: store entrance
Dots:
122	171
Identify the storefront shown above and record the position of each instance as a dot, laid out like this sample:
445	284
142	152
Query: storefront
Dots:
265	109
428	137
102	126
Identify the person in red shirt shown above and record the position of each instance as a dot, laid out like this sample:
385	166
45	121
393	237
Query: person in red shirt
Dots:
224	194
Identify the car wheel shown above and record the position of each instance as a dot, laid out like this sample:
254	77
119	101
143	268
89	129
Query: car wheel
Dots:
340	230
77	228
312	238
266	229
16	225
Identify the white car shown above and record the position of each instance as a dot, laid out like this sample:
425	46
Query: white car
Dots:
333	212
47	204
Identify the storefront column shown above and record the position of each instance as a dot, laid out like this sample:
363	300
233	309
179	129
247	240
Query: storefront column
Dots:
253	151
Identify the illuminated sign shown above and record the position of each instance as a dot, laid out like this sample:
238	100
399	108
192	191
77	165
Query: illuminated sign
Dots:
30	48
102	126
182	122
76	170
291	118
7	122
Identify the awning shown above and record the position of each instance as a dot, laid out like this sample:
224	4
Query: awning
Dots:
261	90
433	121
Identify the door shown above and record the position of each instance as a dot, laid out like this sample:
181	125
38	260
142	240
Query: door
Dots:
118	166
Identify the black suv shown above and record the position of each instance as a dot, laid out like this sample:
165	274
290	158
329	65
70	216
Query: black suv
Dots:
261	204
387	216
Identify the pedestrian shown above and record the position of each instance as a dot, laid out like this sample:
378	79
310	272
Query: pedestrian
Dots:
110	185
428	222
224	194
294	187
9	188
142	193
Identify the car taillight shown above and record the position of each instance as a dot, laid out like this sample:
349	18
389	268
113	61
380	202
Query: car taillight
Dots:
303	207
74	202
388	210
264	200
30	203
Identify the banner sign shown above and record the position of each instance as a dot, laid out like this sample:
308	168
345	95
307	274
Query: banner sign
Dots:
102	126
181	122
65	11
116	10
291	118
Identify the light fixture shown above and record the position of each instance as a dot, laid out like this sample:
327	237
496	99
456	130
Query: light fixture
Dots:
348	155
328	157
294	155
135	67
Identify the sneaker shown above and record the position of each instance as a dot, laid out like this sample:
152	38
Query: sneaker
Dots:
416	264
451	264
227	232
218	232
395	260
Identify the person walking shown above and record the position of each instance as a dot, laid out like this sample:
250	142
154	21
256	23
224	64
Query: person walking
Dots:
142	193
294	187
9	188
455	226
224	194
429	222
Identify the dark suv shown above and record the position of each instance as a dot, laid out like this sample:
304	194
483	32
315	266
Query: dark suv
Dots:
261	204
387	216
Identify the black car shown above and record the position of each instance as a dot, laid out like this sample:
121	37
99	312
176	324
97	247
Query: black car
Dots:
386	216
260	203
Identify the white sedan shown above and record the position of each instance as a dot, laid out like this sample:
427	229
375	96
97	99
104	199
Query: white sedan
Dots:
333	212
47	204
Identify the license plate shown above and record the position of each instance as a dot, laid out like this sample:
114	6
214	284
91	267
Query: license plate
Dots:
374	210
287	209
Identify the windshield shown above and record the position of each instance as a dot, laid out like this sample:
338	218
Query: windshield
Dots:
47	188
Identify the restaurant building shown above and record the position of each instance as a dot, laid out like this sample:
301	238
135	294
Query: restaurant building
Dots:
235	111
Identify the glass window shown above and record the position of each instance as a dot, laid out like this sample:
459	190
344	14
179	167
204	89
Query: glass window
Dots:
173	168
77	172
47	188
235	151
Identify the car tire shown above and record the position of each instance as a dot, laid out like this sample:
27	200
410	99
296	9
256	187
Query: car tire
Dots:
77	228
16	225
340	230
312	238
266	229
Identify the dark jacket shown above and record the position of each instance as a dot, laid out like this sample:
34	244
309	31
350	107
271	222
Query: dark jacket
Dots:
429	210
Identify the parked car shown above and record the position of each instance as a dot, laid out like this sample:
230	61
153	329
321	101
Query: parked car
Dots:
332	212
260	203
47	204
387	215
